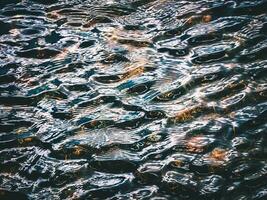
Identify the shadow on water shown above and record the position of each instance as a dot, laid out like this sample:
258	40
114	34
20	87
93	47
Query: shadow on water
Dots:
133	99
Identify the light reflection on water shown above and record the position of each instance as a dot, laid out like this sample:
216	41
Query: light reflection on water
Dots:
133	99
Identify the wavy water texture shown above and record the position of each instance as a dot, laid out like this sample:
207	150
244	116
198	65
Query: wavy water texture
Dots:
133	99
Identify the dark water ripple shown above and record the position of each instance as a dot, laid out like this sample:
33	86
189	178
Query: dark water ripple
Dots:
133	99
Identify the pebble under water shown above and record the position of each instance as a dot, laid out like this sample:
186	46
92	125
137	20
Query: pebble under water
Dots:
133	99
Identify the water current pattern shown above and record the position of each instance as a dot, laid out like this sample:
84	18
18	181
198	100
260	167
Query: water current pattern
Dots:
133	99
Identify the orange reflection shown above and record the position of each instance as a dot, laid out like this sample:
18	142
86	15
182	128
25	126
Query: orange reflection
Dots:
25	140
195	144
206	18
197	19
135	72
217	155
177	163
186	114
78	150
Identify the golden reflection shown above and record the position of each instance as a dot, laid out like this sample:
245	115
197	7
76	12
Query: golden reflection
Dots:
166	95
236	85
154	137
190	20
78	150
21	130
135	72
193	20
206	18
217	154
195	144
177	163
232	115
197	19
186	114
25	140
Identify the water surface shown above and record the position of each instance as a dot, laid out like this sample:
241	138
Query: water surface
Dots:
133	99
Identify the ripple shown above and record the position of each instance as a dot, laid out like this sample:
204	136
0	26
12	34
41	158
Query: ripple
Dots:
133	99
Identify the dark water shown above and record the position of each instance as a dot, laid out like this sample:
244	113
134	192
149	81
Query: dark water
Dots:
133	99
